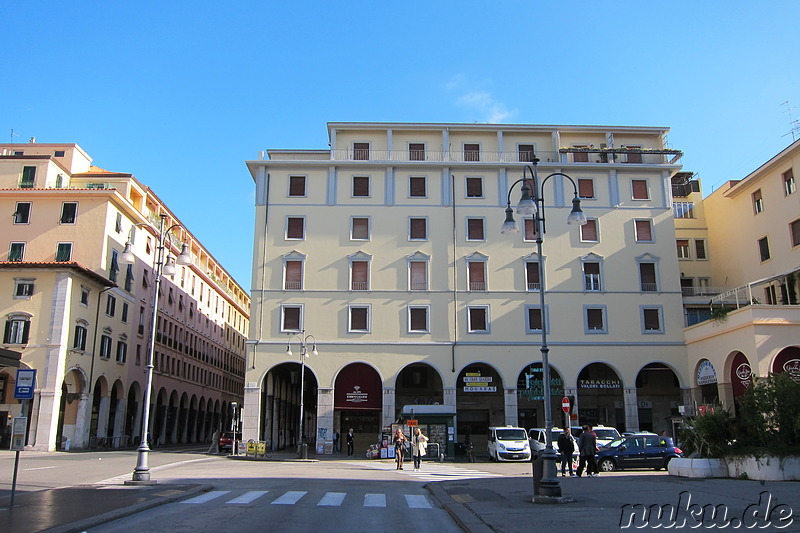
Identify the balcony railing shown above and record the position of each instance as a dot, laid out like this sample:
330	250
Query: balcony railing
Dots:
534	286
419	285
701	291
683	209
649	287
477	285
293	285
359	286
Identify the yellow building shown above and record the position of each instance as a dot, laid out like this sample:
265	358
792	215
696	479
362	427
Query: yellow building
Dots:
753	228
82	319
384	252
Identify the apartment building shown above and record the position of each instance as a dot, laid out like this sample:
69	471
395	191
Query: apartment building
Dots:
381	260
753	268
83	319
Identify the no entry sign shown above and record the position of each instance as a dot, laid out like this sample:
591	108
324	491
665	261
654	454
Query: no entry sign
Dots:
565	404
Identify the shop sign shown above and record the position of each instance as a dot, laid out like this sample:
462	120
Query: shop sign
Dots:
474	382
599	384
706	374
792	366
534	386
357	395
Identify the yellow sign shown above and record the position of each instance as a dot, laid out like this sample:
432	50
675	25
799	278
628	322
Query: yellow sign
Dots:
412	423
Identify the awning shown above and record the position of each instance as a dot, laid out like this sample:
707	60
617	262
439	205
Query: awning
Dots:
9	358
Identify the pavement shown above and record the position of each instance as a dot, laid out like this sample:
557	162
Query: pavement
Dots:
502	504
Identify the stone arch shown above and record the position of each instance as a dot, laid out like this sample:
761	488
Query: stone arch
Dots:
600	396
480	402
658	394
530	396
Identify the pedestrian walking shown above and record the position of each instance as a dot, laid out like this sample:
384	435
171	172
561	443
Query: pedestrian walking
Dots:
566	446
419	447
337	445
400	443
214	448
349	440
587	448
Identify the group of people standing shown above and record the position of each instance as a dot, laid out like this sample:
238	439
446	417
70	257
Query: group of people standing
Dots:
418	443
587	448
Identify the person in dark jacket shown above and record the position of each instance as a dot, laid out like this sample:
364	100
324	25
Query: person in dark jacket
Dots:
566	447
587	448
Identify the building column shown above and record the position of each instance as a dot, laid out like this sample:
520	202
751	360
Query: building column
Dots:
725	391
251	412
511	407
387	407
80	440
631	409
324	416
449	394
688	401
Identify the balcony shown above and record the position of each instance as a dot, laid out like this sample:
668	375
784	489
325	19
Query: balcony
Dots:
682	209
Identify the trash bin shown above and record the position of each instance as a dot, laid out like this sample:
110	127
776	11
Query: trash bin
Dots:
302	451
538	472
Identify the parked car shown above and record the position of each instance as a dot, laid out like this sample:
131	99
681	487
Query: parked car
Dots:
537	441
508	443
644	450
226	441
604	434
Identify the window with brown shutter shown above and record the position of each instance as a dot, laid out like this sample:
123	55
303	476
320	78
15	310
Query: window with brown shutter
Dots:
360	229
472	152
360	186
477	319
534	319
295	228
644	230
591	276
358	319
417	187
361	151
419	275
532	276
585	188
594	319
477	276
474	187
652	319
647	275
475	229
418	319
416	151
294	276
640	191
359	275
418	229
580	157
297	185
291	319
530	230
525	152
589	231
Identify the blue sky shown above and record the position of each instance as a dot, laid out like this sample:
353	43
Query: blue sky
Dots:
182	93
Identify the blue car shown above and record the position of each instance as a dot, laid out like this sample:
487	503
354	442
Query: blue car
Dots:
637	451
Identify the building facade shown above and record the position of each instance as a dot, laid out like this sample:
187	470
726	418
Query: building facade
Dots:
83	319
753	267
384	253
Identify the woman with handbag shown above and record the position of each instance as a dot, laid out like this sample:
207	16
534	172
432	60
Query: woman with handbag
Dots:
419	447
400	443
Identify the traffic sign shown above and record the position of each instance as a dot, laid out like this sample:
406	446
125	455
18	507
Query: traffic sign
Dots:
565	404
412	423
26	382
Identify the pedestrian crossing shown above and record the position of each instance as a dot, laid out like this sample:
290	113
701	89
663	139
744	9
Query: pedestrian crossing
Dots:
304	498
430	471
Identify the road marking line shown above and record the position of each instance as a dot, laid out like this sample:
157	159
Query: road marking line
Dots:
375	500
332	499
290	498
248	497
38	468
207	497
417	501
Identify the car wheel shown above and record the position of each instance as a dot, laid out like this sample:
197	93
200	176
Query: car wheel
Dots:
607	465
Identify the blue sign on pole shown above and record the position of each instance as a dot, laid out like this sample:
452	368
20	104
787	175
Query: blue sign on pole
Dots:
26	382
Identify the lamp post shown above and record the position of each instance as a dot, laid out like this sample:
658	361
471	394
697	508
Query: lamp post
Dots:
532	204
164	265
303	338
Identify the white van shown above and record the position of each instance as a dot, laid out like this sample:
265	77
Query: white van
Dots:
508	443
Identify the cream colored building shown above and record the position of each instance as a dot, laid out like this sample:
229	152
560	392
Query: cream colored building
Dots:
386	250
82	319
753	228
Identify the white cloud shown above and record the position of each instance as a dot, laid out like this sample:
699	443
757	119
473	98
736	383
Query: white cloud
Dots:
479	101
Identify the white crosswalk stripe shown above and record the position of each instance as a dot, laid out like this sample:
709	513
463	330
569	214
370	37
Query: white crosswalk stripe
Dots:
207	497
290	498
332	499
430	471
248	497
418	501
296	497
375	500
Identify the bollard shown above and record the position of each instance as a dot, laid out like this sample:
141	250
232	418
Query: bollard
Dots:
302	451
538	471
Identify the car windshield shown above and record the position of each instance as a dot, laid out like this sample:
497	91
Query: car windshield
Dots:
511	434
606	433
615	443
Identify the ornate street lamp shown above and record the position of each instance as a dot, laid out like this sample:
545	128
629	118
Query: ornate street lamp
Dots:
532	204
302	452
164	265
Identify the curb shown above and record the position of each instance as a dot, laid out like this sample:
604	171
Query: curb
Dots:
86	523
468	521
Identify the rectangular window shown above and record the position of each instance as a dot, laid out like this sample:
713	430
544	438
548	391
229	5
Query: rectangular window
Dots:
639	189
417	187
474	187
359	319
28	178
478	319
532	278
80	337
291	318
418	275
16	251
589	231
472	152
129	278
530	230
17	331
361	151
794	232
644	230
105	346
417	229
591	276
69	211
634	156
700	249
789	186
647	277
85	295
651	318
360	186
586	188
416	151
63	252
763	248
475	229
526	153
476	273
297	185
293	280
113	268
124	316
22	215
683	248
23	288
122	351
758	202
417	319
111	305
595	320
118	223
359	275
359	229
59	153
534	320
580	157
295	228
